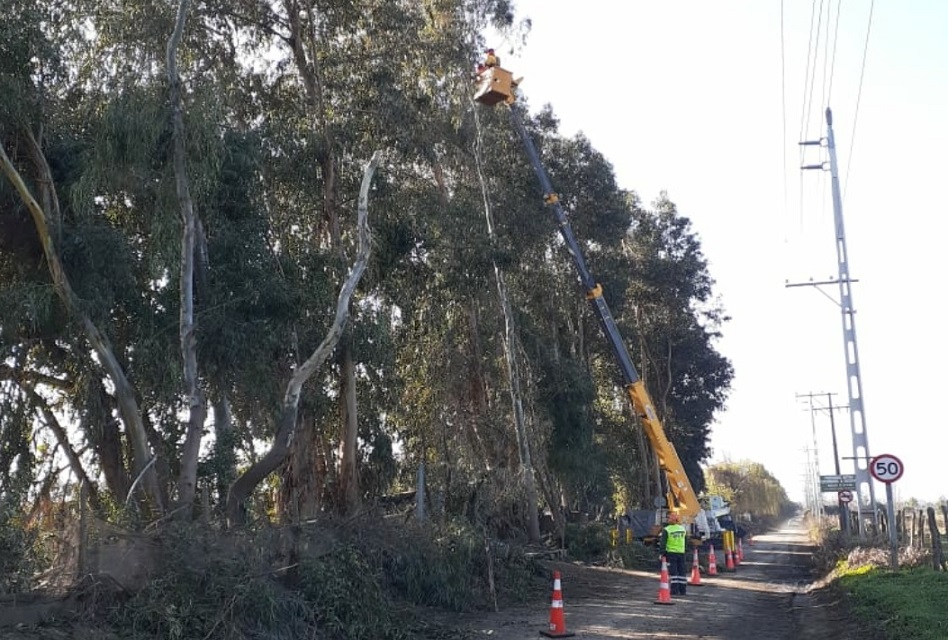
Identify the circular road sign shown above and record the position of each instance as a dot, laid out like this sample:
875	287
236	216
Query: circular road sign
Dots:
886	468
845	496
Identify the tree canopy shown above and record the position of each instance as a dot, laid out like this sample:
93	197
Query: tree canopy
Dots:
180	210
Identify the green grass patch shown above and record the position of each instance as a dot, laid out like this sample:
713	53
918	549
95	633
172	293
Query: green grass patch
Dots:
904	605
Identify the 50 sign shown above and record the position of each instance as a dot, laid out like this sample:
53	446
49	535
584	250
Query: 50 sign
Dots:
886	468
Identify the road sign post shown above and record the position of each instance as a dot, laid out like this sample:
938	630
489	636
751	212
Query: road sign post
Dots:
887	468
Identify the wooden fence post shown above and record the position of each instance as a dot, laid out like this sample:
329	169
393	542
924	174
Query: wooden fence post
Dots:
938	558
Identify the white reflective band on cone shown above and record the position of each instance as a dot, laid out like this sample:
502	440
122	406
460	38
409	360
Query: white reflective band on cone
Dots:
557	604
556	585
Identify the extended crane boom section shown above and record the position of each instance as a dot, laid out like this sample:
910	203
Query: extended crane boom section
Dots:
681	495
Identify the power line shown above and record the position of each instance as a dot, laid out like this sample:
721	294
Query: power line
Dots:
783	100
862	73
829	93
806	78
816	55
812	52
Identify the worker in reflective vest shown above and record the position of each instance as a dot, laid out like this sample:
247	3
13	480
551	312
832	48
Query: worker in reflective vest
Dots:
672	544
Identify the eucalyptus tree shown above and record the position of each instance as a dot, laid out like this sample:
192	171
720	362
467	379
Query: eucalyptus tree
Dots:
39	84
677	320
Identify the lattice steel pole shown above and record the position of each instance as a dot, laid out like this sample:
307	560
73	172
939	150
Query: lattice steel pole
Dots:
857	416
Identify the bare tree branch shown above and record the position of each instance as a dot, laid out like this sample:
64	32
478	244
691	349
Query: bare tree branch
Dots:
187	480
124	392
286	427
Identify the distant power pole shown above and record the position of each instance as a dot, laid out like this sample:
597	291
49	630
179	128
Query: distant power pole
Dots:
843	507
857	416
815	475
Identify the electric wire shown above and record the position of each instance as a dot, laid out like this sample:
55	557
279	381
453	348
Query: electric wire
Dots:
862	74
783	106
808	80
816	52
829	61
829	92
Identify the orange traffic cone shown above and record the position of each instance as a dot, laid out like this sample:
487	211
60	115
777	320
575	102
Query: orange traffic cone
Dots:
729	559
712	561
740	551
557	620
664	588
695	580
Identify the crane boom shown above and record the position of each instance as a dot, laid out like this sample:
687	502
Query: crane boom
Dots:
496	86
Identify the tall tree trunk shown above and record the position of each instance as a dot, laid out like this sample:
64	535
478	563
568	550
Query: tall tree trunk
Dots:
243	487
303	38
124	391
303	475
225	443
197	410
513	371
478	390
348	467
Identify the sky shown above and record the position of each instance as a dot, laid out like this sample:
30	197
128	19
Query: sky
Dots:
708	101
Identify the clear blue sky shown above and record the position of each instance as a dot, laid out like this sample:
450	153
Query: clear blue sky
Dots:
687	97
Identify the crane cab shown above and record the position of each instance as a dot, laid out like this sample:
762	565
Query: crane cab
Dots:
495	85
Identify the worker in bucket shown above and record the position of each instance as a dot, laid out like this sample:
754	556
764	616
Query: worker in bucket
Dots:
672	545
492	59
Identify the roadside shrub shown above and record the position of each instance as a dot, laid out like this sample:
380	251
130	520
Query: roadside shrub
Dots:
588	542
633	556
346	596
214	588
451	568
329	581
20	556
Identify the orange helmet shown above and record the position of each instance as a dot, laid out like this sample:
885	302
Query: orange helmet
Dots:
673	518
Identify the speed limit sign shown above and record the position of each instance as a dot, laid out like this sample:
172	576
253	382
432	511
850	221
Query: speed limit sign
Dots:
886	468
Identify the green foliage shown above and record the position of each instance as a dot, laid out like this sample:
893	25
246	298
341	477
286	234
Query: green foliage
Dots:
348	596
20	555
904	605
451	571
343	584
633	556
274	164
206	589
587	541
749	487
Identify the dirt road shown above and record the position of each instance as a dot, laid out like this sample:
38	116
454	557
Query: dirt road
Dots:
767	598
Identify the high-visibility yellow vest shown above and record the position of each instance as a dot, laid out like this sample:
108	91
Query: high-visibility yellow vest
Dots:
676	538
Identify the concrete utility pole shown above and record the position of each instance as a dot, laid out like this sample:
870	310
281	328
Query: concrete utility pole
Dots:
857	416
843	507
815	475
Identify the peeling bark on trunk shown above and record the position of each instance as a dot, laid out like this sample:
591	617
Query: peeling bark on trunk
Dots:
300	495
187	479
348	467
124	392
303	39
243	487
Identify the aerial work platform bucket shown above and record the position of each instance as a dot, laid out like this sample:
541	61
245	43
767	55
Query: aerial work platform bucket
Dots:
495	85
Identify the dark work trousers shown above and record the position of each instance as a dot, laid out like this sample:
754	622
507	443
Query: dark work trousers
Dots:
676	573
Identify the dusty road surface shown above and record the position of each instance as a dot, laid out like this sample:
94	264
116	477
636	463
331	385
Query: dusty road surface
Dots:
766	598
